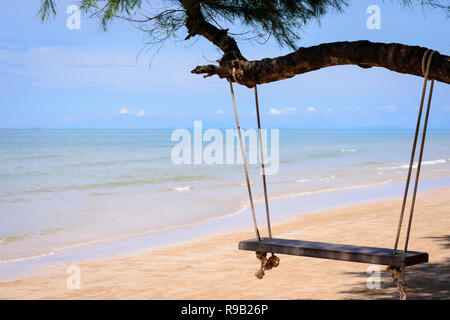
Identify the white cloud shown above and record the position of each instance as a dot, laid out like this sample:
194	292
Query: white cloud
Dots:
446	108
330	109
290	109
311	109
274	111
219	112
390	107
140	113
277	112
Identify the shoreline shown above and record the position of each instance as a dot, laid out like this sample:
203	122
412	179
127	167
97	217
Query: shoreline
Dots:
206	258
281	210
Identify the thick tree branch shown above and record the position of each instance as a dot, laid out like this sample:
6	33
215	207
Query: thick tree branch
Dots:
197	25
393	56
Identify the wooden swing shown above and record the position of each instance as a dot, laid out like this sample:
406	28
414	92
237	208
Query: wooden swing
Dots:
395	259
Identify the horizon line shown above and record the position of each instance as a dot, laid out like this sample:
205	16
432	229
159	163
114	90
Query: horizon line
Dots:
206	128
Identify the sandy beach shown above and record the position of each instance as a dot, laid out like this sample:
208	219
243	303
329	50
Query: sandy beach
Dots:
214	268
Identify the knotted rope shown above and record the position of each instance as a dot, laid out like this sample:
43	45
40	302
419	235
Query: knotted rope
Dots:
399	272
233	73
273	261
266	264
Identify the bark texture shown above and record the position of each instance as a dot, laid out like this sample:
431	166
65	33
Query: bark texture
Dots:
197	25
365	54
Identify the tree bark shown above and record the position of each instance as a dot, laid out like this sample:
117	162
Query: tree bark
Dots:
197	25
393	56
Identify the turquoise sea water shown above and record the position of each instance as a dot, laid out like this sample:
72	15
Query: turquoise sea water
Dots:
61	189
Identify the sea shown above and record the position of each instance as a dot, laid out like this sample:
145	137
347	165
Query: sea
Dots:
76	194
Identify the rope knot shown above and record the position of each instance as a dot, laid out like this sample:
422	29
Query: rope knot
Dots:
272	262
426	62
266	264
233	73
398	277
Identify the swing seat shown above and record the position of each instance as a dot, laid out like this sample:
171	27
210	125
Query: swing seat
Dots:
372	255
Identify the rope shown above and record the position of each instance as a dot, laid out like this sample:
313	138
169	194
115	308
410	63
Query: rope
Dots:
399	272
413	151
262	257
419	163
244	162
266	264
262	164
273	261
233	73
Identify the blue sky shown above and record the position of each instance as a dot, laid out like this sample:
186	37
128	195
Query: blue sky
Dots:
53	77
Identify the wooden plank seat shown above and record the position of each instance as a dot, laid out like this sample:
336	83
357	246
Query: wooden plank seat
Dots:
372	255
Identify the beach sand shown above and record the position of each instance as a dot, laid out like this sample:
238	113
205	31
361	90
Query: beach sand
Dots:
214	268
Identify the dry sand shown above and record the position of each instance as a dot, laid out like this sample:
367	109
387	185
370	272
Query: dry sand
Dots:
215	269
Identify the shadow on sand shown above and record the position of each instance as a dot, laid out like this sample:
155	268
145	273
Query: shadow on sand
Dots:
427	281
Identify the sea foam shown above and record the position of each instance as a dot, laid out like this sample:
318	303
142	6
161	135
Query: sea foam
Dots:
424	163
181	189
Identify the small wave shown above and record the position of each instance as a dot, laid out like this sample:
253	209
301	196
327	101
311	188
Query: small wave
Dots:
331	153
431	162
369	163
99	194
326	178
112	163
304	193
118	184
317	179
15	238
326	154
181	189
10	239
424	163
244	184
28	258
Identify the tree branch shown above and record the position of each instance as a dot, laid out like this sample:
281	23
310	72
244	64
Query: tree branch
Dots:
393	56
197	25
